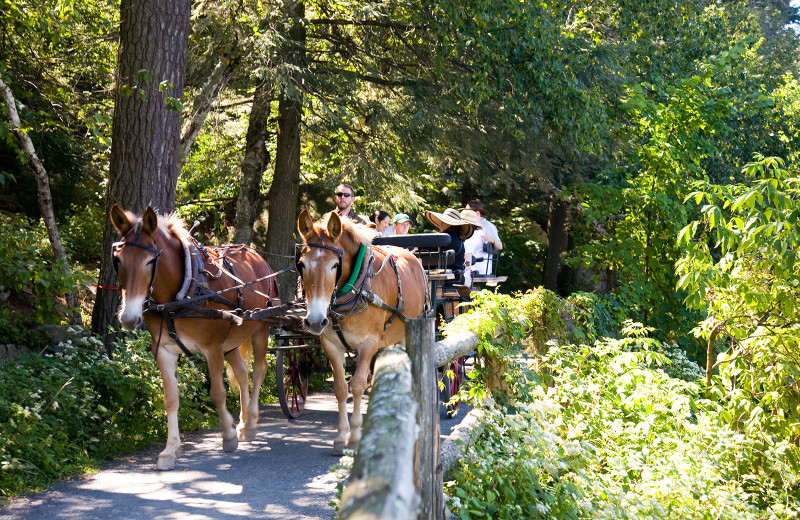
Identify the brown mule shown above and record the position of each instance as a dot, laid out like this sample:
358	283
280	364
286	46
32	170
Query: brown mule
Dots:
152	266
327	262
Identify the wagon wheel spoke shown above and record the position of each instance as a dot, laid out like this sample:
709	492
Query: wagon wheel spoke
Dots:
293	367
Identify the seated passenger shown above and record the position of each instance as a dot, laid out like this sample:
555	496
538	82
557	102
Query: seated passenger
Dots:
379	221
489	235
401	224
451	223
474	255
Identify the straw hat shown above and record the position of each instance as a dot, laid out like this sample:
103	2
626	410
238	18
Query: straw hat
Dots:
467	215
450	217
476	205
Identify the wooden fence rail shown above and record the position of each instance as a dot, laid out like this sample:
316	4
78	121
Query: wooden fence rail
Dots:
398	471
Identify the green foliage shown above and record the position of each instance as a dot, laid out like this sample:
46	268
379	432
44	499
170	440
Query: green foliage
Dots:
594	316
58	58
523	255
20	329
740	266
544	313
61	415
28	268
613	435
82	233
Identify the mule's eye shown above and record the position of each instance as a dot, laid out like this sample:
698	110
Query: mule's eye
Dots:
335	266
300	267
115	262
151	261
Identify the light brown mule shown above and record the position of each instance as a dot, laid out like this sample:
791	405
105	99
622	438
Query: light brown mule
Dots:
319	263
151	266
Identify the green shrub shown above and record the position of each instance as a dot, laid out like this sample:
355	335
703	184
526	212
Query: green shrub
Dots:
62	414
28	267
83	234
620	430
20	329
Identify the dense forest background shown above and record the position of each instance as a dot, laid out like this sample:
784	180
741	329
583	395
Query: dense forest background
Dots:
582	127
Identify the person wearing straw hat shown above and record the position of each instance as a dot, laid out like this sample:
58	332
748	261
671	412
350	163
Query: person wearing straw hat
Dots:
487	235
489	230
450	222
473	246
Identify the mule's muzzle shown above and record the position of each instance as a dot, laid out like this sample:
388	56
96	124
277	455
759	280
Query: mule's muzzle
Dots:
132	323
316	328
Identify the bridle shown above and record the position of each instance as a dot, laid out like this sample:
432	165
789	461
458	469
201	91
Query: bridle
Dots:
135	243
298	248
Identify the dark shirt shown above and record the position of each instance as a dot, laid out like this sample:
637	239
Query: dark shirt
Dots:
354	216
457	245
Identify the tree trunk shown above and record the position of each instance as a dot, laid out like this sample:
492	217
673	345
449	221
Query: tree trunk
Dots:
201	106
256	158
557	241
146	133
45	197
286	182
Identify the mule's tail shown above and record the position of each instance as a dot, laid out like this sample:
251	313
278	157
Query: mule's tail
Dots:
245	350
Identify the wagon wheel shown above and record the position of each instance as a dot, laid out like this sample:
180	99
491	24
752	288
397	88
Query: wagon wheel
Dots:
451	387
292	367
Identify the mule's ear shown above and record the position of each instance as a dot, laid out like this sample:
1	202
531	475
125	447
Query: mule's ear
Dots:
119	219
149	221
305	225
334	226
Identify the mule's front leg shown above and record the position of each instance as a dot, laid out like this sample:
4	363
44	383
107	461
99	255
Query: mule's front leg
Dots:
215	366
336	357
168	366
358	385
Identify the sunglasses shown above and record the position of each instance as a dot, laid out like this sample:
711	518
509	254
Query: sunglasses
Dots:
343	195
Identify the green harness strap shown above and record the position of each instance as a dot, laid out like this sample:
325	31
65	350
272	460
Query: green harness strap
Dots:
354	274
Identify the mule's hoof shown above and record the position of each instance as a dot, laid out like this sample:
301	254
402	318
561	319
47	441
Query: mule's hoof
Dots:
338	449
166	462
247	435
230	444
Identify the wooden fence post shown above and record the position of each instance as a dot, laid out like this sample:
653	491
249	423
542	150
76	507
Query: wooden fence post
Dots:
429	479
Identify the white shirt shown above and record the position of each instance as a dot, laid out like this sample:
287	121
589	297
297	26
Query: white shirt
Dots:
491	231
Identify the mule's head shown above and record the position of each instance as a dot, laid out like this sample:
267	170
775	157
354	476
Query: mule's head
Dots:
320	267
135	259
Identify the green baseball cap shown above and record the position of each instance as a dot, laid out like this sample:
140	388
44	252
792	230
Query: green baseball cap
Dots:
401	217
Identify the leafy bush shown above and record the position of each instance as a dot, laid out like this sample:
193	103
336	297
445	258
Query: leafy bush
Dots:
614	435
20	329
83	234
28	267
62	414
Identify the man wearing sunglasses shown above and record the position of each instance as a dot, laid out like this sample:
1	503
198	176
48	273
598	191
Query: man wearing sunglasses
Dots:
343	197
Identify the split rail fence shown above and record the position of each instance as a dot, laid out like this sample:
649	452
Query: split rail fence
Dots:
399	468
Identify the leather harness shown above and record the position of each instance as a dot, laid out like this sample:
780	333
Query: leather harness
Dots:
358	293
191	305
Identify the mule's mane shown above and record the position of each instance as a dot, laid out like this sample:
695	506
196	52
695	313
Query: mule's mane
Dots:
359	233
172	223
